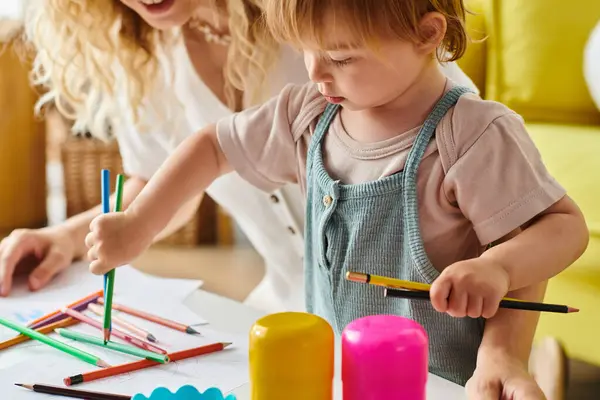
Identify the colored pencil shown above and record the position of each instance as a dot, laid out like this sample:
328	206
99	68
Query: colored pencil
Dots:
57	315
96	309
123	348
515	305
141	364
82	355
77	394
121	335
44	329
153	318
391	283
105	188
110	283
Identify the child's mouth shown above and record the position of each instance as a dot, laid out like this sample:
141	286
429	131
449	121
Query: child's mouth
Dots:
334	99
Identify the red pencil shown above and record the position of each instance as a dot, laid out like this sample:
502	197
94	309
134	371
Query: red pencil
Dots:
141	364
152	318
121	335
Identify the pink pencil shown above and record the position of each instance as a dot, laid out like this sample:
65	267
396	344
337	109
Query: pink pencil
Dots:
121	335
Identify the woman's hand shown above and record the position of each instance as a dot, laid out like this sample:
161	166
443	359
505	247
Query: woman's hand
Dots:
48	250
115	239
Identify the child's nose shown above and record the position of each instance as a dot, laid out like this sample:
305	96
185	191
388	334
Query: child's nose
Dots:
317	70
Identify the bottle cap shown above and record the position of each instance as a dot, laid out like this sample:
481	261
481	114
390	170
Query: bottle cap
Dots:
291	357
384	357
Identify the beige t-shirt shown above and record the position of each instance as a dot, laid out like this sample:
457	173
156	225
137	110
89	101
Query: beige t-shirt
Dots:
481	178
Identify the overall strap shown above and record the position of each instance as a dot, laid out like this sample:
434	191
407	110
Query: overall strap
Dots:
411	206
322	128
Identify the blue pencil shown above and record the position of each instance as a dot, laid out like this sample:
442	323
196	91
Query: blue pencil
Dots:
105	187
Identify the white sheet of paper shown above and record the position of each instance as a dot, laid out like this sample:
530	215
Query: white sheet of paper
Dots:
144	292
77	282
225	370
161	306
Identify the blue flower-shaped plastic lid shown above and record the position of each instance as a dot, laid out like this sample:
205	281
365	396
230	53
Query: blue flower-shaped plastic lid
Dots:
186	392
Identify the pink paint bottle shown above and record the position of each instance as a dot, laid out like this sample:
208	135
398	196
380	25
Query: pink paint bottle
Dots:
384	357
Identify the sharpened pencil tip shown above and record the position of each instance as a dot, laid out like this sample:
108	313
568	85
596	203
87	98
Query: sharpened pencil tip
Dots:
151	338
103	364
23	385
227	344
191	331
573	309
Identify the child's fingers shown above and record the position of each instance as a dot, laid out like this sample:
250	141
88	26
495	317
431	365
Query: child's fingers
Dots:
439	293
457	304
97	267
489	308
100	267
92	253
90	239
475	306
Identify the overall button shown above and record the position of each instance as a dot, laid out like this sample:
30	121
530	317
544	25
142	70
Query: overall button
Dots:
327	200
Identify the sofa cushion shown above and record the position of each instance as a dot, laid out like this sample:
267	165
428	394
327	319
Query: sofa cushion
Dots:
535	58
571	153
473	63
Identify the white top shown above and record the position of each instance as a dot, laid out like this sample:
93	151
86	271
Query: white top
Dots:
273	222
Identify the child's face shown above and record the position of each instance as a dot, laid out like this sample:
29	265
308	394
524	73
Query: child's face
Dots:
359	78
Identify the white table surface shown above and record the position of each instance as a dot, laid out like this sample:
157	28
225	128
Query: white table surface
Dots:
232	317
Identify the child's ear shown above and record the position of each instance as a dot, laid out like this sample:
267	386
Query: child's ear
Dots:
432	30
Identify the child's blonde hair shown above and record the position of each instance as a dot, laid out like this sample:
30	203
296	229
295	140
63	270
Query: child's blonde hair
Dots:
91	53
301	21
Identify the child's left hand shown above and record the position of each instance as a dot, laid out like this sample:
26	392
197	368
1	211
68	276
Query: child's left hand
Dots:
471	288
502	377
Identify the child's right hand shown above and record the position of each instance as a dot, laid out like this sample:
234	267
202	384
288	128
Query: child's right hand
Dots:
115	239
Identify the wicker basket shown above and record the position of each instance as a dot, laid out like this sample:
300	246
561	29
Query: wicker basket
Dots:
83	158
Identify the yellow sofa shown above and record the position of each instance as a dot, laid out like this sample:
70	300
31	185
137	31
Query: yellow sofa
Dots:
532	61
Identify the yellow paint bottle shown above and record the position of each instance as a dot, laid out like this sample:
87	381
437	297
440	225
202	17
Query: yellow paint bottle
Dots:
291	357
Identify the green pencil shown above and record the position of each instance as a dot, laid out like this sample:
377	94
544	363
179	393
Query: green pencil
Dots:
82	355
69	334
110	284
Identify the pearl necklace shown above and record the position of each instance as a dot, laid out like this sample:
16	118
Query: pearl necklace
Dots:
210	35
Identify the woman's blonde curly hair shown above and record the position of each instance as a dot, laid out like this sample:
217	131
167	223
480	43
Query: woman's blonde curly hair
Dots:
93	58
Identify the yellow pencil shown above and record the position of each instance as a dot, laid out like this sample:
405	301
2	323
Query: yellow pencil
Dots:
384	281
393	283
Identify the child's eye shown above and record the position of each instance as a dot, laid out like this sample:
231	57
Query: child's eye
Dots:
341	63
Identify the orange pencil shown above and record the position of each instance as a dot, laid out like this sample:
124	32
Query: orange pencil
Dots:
152	318
35	323
137	342
141	364
44	329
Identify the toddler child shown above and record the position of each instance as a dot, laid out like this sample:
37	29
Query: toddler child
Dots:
405	174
